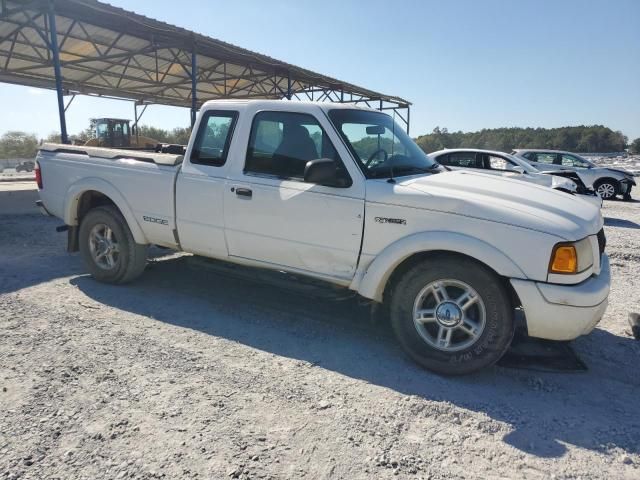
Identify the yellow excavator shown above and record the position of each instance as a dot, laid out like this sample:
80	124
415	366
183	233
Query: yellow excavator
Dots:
116	133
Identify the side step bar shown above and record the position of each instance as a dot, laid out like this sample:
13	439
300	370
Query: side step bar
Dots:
286	281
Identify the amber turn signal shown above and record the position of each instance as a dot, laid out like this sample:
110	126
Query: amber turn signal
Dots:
564	259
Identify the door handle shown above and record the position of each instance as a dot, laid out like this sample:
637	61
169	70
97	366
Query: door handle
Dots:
244	192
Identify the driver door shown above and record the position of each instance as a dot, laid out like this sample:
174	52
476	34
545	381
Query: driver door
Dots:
274	218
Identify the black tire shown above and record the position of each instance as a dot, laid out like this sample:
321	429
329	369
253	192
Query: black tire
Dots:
498	330
613	188
132	257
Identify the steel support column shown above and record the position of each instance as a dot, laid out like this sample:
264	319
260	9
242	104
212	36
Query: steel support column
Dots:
288	85
408	118
135	123
73	97
53	44
194	80
137	118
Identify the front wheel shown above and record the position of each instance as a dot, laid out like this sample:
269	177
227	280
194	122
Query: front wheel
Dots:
452	315
607	189
108	248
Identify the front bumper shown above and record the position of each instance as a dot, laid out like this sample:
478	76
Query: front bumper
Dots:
625	187
564	312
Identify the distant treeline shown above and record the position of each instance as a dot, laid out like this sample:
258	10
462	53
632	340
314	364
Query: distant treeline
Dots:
16	144
596	138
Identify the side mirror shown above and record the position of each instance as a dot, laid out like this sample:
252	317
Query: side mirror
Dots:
321	171
517	168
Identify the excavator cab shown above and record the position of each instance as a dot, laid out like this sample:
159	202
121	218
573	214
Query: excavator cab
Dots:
113	132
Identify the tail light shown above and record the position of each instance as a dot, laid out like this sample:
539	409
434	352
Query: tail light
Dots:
38	176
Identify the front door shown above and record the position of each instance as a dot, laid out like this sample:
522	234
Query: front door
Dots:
273	217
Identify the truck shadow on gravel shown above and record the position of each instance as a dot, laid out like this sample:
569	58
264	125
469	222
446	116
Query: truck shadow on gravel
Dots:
592	410
620	222
31	252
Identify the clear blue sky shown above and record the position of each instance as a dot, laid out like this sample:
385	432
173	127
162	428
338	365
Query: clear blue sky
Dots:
465	64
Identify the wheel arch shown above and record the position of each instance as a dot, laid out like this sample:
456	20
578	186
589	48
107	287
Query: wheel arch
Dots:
613	181
93	192
404	253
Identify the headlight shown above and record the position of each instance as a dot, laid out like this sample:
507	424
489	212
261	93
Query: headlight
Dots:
571	258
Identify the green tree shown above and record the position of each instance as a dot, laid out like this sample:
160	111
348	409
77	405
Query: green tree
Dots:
595	138
635	146
16	144
53	137
180	135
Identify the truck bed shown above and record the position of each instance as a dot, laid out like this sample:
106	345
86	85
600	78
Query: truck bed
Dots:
140	183
115	153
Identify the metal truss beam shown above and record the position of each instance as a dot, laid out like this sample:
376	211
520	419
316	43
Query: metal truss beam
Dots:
140	59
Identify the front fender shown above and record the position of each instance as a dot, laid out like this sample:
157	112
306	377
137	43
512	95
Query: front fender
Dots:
75	191
371	282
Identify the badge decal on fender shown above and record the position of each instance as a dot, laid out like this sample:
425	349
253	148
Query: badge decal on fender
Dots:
397	221
161	221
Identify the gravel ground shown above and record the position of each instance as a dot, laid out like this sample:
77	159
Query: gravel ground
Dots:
187	374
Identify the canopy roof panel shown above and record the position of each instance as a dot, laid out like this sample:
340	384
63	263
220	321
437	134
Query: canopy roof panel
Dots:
105	50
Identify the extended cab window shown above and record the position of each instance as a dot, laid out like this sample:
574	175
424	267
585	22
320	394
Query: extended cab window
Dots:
213	138
281	144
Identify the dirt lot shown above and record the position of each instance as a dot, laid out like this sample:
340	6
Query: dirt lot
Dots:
187	374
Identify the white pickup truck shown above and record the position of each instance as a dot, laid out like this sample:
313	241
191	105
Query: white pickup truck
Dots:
342	195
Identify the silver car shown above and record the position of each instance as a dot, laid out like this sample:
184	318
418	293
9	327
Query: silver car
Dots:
608	182
505	165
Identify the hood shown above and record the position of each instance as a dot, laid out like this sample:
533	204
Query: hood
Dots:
496	199
620	170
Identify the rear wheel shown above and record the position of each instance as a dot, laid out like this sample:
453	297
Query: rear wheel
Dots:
108	247
607	189
452	315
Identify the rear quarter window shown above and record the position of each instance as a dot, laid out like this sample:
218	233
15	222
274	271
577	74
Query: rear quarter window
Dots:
213	138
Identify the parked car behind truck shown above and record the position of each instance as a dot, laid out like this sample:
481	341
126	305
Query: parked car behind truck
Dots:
342	195
25	166
607	182
500	163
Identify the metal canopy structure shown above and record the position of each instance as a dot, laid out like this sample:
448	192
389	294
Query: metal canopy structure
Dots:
92	48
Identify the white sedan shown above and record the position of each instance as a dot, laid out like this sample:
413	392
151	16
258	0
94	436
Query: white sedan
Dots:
505	165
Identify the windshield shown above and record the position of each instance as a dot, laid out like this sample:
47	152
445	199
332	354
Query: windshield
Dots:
582	162
380	145
527	168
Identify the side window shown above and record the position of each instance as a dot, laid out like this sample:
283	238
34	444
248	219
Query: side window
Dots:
463	159
443	159
572	161
213	138
530	156
548	158
281	144
495	163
